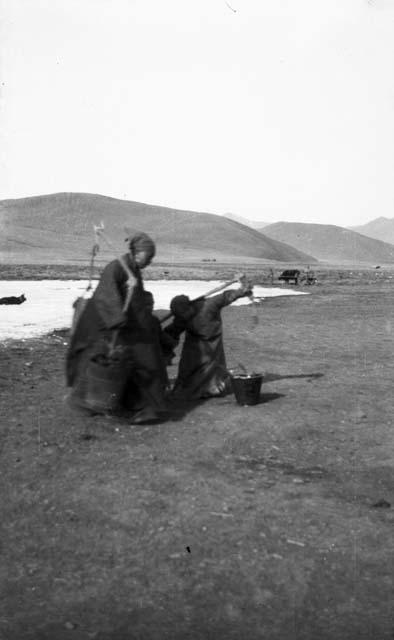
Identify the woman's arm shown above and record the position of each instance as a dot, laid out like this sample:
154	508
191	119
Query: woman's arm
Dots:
175	330
227	297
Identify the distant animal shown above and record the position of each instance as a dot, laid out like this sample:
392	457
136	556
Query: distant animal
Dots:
290	274
13	299
310	278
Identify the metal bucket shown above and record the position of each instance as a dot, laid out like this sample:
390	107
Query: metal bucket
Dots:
246	387
105	385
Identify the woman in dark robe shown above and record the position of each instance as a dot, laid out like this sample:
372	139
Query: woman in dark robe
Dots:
202	371
165	343
104	314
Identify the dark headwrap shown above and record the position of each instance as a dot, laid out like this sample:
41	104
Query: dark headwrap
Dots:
179	305
141	242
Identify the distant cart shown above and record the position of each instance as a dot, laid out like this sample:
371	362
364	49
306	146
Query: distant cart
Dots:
290	275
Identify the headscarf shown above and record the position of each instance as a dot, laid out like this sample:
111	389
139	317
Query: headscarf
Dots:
179	305
141	242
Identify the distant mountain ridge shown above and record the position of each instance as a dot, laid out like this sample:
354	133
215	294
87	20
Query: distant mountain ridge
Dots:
58	228
381	229
254	224
331	243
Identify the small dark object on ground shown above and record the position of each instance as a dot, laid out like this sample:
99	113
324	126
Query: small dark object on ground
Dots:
290	274
382	504
13	299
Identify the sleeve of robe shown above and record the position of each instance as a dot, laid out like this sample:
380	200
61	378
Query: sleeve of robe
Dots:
224	299
175	330
108	296
167	343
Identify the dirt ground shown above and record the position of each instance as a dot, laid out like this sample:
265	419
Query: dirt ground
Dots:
266	522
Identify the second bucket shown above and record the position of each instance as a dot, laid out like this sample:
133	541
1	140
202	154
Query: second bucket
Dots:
247	387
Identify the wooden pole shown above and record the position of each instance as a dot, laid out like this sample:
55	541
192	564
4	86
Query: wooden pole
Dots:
205	295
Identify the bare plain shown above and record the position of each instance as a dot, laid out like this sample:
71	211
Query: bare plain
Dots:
270	521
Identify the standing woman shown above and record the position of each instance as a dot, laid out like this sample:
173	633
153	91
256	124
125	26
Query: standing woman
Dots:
104	314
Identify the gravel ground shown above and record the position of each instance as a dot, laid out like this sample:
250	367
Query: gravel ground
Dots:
271	521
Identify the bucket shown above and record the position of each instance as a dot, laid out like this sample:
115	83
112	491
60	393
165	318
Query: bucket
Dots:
105	385
246	387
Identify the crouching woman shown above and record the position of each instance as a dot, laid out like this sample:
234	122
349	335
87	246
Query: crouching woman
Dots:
202	371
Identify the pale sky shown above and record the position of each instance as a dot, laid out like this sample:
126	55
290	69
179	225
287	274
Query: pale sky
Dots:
269	109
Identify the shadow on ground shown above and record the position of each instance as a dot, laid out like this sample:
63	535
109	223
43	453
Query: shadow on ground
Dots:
271	377
268	397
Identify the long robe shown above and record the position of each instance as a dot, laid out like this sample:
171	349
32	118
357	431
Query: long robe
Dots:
202	368
103	314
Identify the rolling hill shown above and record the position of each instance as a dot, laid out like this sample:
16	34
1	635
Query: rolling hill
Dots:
58	228
254	224
331	243
380	229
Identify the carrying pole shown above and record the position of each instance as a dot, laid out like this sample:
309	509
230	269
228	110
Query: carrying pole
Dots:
130	286
95	250
205	295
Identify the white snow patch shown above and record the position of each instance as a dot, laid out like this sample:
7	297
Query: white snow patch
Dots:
49	302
